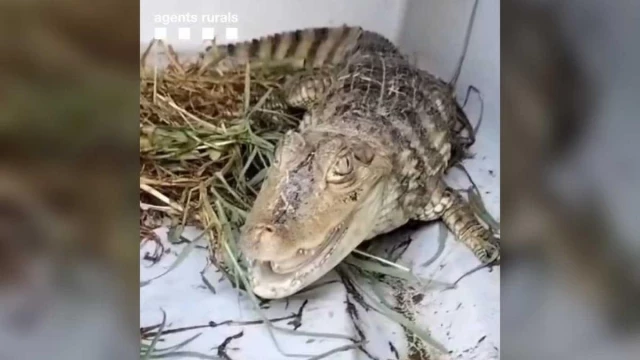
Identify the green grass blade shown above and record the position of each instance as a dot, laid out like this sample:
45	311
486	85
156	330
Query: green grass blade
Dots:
475	199
178	346
181	257
154	342
186	355
442	238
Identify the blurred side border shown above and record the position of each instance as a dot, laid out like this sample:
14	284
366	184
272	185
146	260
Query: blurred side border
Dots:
69	109
570	283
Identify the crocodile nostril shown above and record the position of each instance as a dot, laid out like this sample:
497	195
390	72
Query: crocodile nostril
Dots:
266	233
262	243
268	228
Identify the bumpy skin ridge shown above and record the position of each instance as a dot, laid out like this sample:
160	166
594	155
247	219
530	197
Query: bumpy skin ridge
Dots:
404	111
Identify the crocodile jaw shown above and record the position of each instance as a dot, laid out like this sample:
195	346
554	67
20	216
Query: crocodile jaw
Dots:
352	232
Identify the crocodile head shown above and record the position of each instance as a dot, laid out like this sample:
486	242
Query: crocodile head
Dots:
319	201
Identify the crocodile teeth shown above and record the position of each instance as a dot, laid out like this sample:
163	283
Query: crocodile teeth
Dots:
306	251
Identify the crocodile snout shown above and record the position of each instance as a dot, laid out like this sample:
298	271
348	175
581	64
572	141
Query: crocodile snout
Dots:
264	242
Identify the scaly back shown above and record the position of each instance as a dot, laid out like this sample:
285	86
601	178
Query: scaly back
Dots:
360	75
305	48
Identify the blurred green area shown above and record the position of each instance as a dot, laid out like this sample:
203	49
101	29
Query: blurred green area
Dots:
570	283
69	159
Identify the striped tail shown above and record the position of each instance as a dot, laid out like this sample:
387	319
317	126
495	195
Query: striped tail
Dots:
307	48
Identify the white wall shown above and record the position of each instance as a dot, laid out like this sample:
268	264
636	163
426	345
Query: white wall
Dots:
435	30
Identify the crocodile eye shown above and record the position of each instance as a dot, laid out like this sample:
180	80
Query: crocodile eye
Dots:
341	170
343	166
363	153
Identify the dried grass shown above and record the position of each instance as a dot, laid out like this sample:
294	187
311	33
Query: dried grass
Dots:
204	145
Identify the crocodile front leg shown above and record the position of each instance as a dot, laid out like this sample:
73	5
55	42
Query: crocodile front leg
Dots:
304	89
448	205
299	91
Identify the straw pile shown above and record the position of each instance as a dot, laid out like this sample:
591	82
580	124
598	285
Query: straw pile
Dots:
205	144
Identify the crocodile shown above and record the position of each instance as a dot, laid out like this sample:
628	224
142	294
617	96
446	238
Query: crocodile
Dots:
377	136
